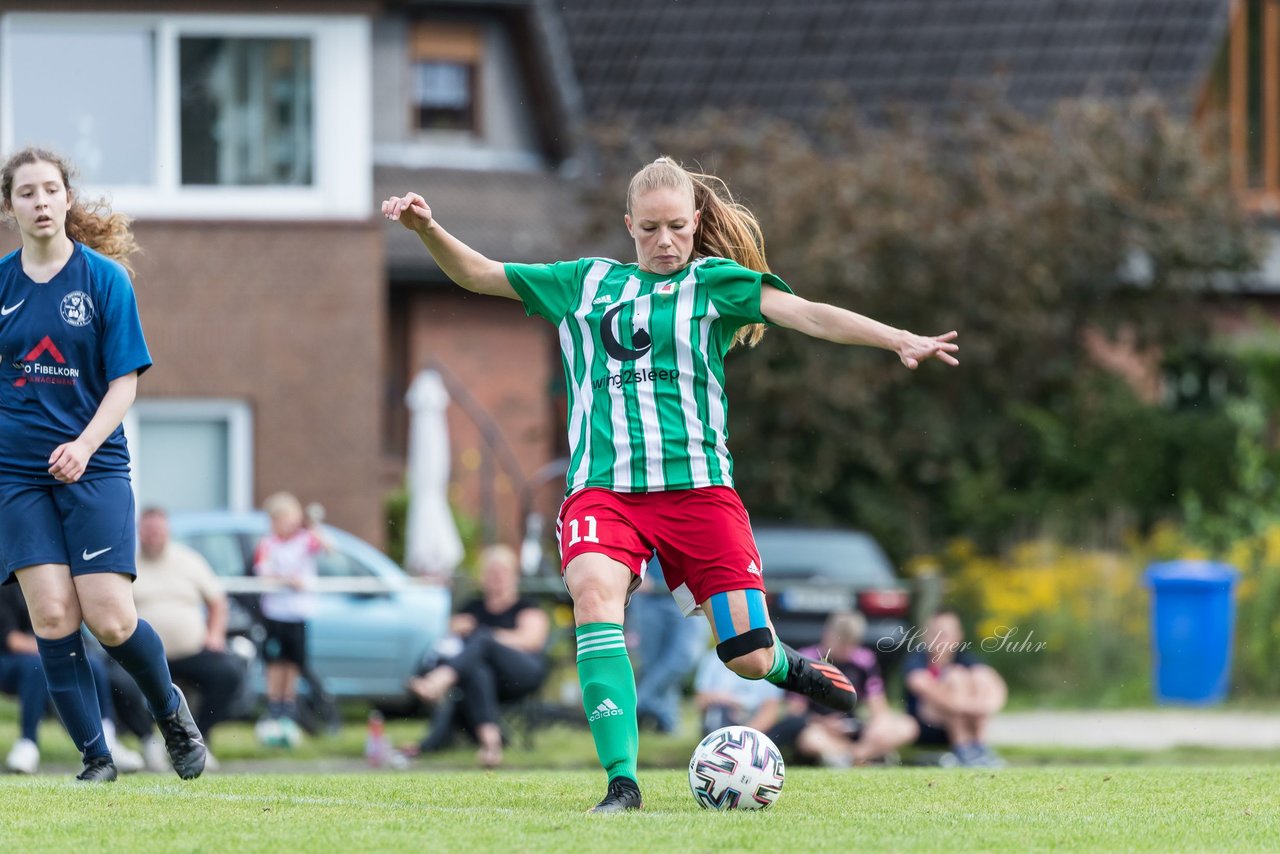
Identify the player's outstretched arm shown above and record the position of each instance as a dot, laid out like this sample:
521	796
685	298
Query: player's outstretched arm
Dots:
842	326
465	266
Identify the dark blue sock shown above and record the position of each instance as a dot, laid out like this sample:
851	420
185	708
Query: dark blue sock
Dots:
27	679
66	670
142	656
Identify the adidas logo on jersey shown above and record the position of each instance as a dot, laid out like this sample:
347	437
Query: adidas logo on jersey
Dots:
752	568
604	300
605	710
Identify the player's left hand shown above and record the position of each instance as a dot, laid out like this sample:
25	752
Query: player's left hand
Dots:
68	461
914	349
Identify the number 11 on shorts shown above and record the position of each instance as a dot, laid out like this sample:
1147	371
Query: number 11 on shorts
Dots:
590	537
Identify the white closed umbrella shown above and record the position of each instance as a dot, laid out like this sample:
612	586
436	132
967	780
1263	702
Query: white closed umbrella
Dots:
432	544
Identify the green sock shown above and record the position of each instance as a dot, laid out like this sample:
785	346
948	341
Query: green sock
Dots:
609	697
778	673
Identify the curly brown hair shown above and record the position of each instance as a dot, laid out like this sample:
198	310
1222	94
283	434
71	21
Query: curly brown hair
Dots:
727	229
89	222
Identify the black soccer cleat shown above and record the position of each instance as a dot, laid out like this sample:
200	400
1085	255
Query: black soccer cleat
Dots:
183	740
819	681
98	769
623	795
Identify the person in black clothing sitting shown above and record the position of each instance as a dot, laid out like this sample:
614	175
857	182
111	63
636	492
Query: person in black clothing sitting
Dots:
494	653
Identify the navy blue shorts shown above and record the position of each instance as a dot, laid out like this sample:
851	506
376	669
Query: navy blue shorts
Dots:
88	526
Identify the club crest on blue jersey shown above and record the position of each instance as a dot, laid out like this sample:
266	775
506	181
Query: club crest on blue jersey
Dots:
77	309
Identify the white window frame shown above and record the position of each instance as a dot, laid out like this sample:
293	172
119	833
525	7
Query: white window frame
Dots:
238	416
342	117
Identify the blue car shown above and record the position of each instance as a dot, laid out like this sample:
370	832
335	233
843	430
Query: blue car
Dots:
373	623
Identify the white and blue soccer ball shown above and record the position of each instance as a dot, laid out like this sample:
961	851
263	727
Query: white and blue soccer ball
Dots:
736	768
269	733
278	732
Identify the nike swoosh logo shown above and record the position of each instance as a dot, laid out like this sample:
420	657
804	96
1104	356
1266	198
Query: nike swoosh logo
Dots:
7	310
88	555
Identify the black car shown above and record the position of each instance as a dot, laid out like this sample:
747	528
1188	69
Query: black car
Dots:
811	573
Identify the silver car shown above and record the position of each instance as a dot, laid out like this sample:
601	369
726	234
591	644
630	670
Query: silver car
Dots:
372	625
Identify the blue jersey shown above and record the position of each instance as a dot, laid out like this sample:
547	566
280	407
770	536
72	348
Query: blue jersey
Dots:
61	343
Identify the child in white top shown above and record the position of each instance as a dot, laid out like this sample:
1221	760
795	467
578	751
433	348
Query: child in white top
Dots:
287	555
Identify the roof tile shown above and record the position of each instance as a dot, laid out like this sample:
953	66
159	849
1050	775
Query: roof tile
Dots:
656	59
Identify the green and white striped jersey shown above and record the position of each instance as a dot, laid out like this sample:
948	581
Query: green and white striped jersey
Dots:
643	360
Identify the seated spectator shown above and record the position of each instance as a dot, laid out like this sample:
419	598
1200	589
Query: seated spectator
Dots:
22	675
669	645
494	653
951	693
179	594
814	734
723	698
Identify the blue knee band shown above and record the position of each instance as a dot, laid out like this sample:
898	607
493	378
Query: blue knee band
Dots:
756	610
721	617
757	617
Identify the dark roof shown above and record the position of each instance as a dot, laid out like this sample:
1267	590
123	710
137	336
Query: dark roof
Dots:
658	60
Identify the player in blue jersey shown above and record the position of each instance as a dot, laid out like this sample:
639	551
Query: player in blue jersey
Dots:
71	350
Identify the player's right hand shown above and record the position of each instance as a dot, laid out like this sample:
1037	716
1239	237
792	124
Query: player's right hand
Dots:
411	210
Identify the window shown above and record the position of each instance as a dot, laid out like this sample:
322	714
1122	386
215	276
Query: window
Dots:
223	551
111	140
444	65
1245	88
191	454
339	564
212	116
246	111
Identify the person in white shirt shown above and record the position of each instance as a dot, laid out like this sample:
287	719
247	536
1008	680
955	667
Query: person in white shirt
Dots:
286	555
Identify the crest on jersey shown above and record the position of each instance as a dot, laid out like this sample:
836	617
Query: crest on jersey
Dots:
77	309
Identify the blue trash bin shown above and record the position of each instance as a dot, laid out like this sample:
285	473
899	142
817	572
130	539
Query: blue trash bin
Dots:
1192	625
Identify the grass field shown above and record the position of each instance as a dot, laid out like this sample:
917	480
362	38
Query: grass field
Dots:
1179	799
1122	808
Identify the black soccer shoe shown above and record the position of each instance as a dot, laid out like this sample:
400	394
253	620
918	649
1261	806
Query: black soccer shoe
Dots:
819	681
98	769
623	795
183	740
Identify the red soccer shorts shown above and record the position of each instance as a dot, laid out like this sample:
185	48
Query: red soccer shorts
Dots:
702	537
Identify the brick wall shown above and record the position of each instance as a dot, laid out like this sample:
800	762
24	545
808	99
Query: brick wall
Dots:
507	363
290	318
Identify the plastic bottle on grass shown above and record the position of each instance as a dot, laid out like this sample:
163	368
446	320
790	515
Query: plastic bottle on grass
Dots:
377	748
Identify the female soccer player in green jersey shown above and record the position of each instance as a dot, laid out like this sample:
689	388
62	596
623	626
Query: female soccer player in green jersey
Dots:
643	347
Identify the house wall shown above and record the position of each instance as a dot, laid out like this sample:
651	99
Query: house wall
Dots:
508	137
506	361
290	318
